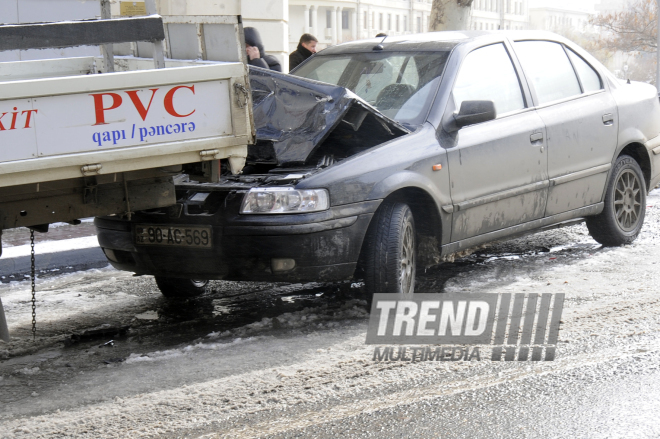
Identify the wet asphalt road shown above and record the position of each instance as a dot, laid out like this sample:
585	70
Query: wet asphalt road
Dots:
617	398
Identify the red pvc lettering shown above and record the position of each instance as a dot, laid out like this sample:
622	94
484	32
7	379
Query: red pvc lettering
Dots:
169	106
99	108
27	119
13	119
138	103
2	127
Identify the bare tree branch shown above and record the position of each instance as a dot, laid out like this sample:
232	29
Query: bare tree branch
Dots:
632	30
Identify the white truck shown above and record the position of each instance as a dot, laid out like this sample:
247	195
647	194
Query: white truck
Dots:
101	135
75	143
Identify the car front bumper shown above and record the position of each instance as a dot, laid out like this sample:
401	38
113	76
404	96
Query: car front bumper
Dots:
325	245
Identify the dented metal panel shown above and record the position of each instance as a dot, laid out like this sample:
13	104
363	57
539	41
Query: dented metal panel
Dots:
295	116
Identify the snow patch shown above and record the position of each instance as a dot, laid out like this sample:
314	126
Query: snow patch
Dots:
147	315
52	246
175	353
29	371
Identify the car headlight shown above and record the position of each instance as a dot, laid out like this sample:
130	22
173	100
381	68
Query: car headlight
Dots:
285	200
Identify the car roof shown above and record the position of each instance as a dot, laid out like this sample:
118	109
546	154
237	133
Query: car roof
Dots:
437	41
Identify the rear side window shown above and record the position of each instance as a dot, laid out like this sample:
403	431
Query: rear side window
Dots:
588	76
548	69
487	74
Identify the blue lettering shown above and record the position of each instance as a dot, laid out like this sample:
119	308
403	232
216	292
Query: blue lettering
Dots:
97	138
152	131
177	128
116	135
143	134
183	127
106	136
168	129
160	130
192	126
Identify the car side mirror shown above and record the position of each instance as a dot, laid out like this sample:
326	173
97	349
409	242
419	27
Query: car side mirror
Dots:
473	112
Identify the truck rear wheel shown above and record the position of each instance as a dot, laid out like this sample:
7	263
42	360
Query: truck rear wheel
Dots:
176	288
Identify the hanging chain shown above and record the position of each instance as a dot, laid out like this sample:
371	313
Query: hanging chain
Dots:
34	298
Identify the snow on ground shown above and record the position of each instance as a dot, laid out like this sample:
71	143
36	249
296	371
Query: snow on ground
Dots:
51	246
285	372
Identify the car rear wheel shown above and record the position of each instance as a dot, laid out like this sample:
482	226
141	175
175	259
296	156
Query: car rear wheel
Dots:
175	288
625	205
391	251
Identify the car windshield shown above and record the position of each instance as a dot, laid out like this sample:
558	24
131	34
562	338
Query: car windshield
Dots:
400	85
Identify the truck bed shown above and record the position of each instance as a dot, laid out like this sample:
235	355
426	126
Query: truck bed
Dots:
68	133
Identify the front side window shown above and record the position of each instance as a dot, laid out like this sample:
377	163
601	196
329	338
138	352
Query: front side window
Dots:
548	69
487	74
401	85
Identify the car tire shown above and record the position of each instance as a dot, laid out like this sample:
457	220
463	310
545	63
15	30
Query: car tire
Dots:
391	248
176	288
625	205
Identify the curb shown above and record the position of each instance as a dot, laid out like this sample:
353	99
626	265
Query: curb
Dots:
91	257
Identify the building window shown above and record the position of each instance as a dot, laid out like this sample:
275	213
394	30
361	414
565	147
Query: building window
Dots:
365	20
405	23
389	21
373	20
311	14
397	23
419	24
380	21
328	18
344	19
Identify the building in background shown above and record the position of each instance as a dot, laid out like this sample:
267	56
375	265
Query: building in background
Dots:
334	22
608	6
561	20
499	14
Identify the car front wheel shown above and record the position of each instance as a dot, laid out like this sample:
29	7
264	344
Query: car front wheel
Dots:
175	288
391	251
625	205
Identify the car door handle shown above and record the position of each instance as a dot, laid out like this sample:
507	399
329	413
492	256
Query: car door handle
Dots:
535	138
608	119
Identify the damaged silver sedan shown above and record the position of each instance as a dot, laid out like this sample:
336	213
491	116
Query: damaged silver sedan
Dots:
377	157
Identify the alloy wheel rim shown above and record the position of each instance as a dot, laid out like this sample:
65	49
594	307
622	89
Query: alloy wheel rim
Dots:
627	200
407	275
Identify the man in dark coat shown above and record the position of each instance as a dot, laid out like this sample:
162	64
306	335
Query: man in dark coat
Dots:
252	42
306	48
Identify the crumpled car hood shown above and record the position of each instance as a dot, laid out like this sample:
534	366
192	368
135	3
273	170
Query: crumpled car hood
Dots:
296	116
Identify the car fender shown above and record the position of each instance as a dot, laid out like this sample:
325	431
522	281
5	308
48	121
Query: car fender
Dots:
407	179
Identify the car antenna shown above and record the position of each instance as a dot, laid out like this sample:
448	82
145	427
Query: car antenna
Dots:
380	45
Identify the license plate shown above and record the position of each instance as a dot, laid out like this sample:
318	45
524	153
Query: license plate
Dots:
176	236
